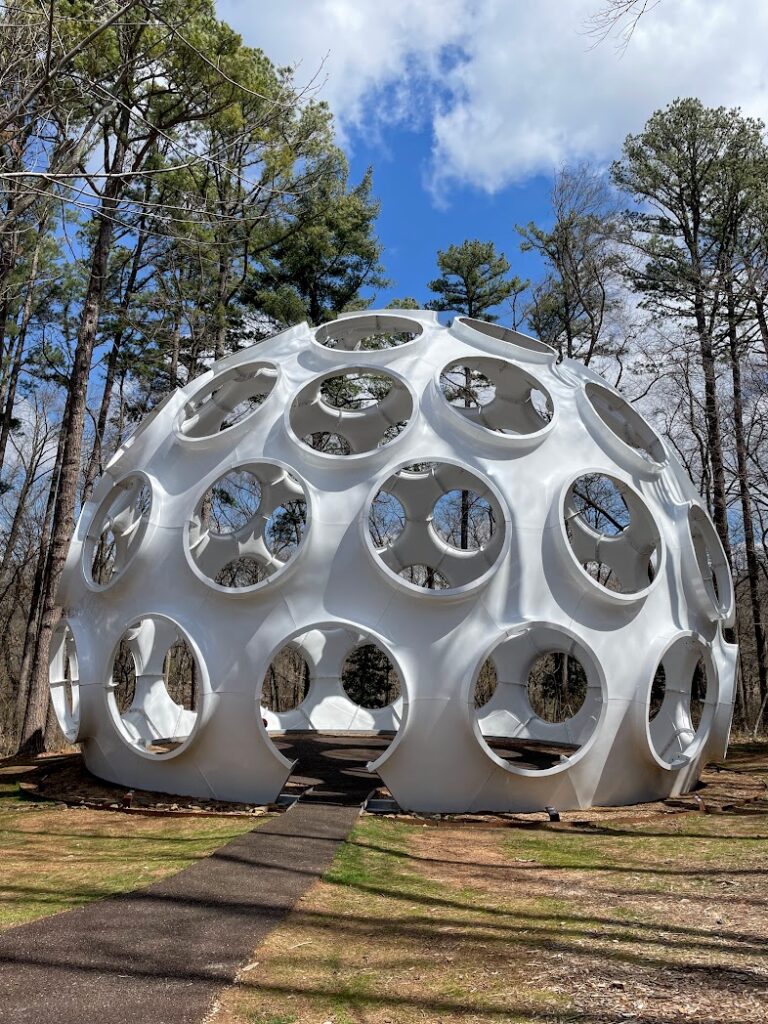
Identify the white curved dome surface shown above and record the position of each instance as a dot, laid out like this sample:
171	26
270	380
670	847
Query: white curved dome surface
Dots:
621	596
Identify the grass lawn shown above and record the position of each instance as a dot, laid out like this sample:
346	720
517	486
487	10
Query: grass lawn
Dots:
53	859
653	917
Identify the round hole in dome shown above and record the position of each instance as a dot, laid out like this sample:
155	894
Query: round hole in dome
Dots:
557	686
287	681
123	676
117	530
505	334
155	687
681	699
464	519
466	386
393	431
421	516
418	469
386	519
241	572
355	686
368	333
230	398
234	501
64	681
496	395
486	683
424	576
611	534
355	391
351	413
259	524
626	423
284	529
542	405
369	678
538	699
711	561
658	691
698	693
328	443
599	502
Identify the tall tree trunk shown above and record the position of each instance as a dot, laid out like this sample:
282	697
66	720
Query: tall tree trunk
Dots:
762	321
175	348
220	309
94	461
33	731
38	587
11	380
753	569
714	430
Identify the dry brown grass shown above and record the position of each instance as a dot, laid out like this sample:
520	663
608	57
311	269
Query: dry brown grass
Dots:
652	915
54	858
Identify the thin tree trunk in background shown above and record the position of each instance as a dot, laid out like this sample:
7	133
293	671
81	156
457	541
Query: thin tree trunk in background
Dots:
32	735
714	428
762	322
38	586
30	476
94	461
11	382
753	570
220	310
175	346
564	687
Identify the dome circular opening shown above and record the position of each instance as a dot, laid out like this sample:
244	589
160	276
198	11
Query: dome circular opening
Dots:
287	680
333	679
351	412
247	527
386	519
505	334
497	395
369	678
712	563
626	423
538	698
155	687
611	534
230	398
681	701
117	530
64	681
464	519
436	527
368	333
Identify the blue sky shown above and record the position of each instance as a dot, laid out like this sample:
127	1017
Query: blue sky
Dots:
465	107
413	226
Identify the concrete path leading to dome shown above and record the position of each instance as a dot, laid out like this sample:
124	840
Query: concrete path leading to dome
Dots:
161	954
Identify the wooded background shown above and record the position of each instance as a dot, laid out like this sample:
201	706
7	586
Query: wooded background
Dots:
168	195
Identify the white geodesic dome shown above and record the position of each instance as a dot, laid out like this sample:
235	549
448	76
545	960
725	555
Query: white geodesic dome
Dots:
623	596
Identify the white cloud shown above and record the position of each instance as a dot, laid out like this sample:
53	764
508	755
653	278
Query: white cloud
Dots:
530	90
360	47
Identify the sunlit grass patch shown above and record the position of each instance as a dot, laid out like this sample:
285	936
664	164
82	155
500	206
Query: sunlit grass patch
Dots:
654	916
54	859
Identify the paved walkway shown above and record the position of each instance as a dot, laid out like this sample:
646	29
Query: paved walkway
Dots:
159	955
